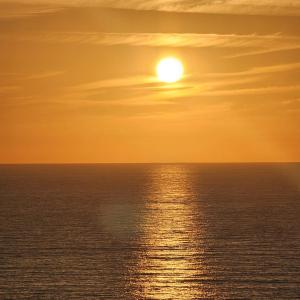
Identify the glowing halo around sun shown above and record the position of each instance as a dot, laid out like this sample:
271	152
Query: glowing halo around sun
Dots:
169	70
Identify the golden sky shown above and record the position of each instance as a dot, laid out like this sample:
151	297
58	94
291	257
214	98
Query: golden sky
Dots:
77	81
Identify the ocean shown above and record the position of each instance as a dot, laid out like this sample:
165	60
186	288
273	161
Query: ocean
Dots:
150	231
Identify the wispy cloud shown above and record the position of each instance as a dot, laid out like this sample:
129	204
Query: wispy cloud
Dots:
258	71
263	7
20	76
202	40
5	89
269	90
252	44
44	75
150	90
117	82
26	9
268	7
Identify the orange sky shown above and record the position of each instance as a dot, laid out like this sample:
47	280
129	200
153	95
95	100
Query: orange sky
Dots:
77	81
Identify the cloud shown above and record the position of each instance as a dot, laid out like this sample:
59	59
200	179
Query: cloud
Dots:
268	7
139	90
117	82
19	76
259	71
6	89
261	43
253	91
150	89
263	7
15	10
44	75
201	40
253	44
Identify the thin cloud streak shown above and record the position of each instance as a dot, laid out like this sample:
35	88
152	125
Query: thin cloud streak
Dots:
117	82
258	71
254	91
172	92
247	7
25	10
260	43
9	88
44	75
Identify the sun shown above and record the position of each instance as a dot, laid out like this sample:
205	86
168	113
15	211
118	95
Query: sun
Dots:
169	70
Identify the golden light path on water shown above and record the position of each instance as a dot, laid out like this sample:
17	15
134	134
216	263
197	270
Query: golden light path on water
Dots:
170	264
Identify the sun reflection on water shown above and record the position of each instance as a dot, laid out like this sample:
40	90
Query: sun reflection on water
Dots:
171	260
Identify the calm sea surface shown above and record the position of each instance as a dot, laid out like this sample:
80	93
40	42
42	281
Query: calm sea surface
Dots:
156	231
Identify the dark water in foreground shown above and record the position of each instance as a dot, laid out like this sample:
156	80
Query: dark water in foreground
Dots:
150	232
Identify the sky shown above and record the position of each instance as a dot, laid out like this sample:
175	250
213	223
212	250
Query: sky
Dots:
78	83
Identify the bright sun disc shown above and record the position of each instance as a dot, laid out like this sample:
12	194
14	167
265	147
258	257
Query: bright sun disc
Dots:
169	70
